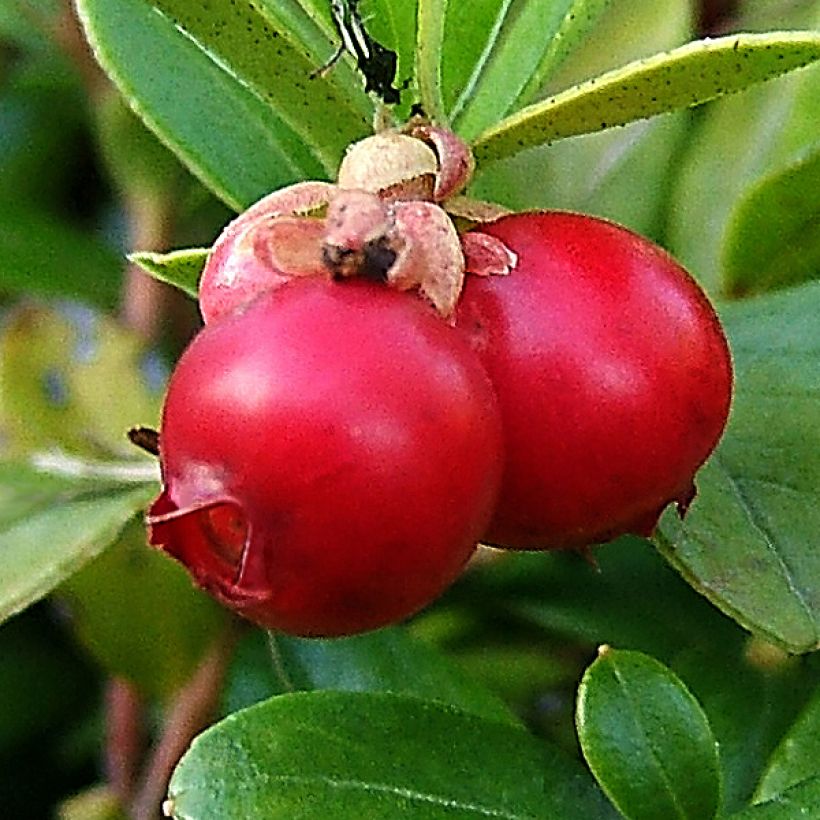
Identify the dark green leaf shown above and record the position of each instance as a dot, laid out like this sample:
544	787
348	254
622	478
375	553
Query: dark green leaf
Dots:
797	758
631	598
73	379
331	754
647	739
748	541
687	76
40	255
375	662
138	614
497	55
52	526
181	269
243	116
752	692
799	801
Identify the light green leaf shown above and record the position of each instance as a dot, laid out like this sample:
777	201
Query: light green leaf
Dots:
773	238
383	757
621	174
51	527
749	540
646	739
797	758
428	56
799	801
139	616
740	147
524	43
181	268
687	76
375	662
245	117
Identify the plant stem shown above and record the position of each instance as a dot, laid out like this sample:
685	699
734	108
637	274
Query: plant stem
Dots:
124	737
190	712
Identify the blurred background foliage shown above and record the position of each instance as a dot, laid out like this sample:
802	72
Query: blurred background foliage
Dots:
86	342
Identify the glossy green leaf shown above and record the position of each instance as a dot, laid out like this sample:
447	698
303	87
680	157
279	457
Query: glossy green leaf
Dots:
748	541
139	616
73	379
797	758
621	174
181	269
497	54
333	754
41	255
375	662
226	91
772	240
52	526
646	739
688	76
801	801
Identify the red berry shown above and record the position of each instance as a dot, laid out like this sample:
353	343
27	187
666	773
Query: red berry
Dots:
612	373
330	457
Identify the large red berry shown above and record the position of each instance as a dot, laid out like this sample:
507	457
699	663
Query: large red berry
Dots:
330	457
612	373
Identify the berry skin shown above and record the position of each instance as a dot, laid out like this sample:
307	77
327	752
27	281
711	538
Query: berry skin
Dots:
330	457
612	373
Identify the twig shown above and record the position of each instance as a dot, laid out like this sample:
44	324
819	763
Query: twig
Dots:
124	739
189	714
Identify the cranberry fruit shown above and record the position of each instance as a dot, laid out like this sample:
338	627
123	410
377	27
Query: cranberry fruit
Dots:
330	454
612	374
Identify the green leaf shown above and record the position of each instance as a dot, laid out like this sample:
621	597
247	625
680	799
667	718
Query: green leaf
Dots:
74	379
772	241
621	174
375	662
684	77
748	541
243	115
647	739
52	526
428	56
181	269
802	800
497	55
332	754
752	693
139	616
41	255
797	758
570	599
748	143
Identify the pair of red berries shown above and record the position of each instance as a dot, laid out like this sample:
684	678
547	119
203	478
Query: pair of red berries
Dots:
333	449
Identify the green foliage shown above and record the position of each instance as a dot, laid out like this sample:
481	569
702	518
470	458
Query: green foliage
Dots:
746	543
375	662
377	756
464	713
646	739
